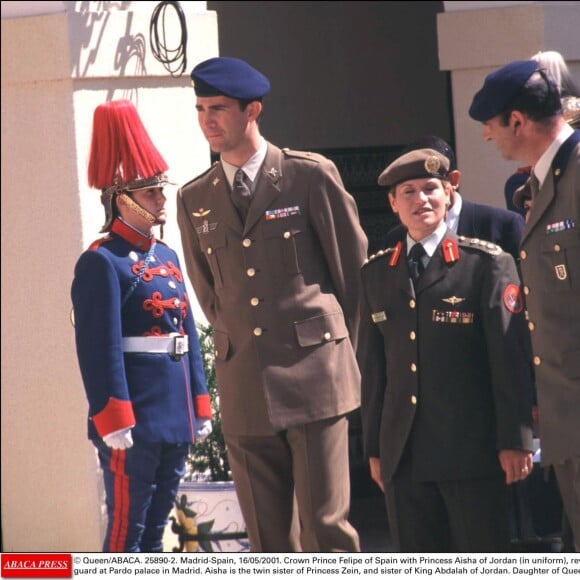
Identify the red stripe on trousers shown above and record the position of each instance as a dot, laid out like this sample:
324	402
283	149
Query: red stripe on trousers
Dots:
120	502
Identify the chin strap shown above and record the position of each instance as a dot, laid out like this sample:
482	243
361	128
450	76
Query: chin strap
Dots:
134	206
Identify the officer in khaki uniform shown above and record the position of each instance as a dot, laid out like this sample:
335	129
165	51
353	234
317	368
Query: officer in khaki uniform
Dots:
446	373
520	108
280	286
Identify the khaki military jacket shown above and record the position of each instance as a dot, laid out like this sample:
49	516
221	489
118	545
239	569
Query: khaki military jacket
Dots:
550	266
281	291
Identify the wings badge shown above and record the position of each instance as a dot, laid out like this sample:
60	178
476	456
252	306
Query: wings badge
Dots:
453	300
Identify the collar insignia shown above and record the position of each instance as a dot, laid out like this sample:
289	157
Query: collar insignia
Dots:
450	252
215	181
396	254
453	300
201	212
273	172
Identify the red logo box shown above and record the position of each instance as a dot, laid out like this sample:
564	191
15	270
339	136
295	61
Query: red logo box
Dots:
36	565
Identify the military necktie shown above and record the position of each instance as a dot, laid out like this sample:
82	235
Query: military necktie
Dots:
417	261
241	194
534	185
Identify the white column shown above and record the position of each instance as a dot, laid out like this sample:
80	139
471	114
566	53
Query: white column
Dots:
56	68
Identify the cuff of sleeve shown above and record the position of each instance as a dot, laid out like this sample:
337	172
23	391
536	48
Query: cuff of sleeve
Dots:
116	415
203	406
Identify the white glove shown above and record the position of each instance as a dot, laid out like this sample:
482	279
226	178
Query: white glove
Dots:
203	429
121	439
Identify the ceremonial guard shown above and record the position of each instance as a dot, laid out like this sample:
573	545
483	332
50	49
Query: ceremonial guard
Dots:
136	338
446	372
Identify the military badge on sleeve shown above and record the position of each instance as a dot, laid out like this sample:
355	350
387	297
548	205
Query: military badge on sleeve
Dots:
512	299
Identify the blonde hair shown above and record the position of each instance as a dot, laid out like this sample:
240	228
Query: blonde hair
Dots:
553	62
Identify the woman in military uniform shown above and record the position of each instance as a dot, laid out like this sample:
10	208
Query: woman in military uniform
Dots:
446	376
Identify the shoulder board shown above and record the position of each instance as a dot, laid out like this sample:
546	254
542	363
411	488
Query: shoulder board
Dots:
482	245
212	166
380	254
98	243
316	157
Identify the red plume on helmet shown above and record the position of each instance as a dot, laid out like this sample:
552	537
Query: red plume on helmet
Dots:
122	157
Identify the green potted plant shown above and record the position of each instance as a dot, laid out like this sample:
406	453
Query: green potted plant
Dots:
206	513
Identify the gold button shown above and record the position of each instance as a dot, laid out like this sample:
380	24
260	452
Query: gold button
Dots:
246	242
255	301
326	336
216	352
557	247
412	304
287	235
251	272
210	251
412	336
523	254
537	361
413	368
257	331
526	290
531	326
414	400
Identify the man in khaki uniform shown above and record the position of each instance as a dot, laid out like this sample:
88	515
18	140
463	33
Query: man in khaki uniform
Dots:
520	108
274	255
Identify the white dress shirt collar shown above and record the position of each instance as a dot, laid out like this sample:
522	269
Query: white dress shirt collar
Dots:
251	167
430	242
452	219
542	167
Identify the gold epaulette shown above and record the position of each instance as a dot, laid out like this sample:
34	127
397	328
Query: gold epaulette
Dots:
379	254
482	245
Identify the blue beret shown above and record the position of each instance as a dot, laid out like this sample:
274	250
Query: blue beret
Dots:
500	87
230	77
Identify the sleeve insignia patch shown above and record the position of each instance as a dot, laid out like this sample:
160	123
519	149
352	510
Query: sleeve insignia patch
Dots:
512	299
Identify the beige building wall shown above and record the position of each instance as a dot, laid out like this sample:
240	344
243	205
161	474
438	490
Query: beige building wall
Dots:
474	39
56	68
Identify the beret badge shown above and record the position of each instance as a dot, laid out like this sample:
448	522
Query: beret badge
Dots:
432	164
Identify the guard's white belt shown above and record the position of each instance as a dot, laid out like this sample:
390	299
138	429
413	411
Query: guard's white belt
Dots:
174	344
